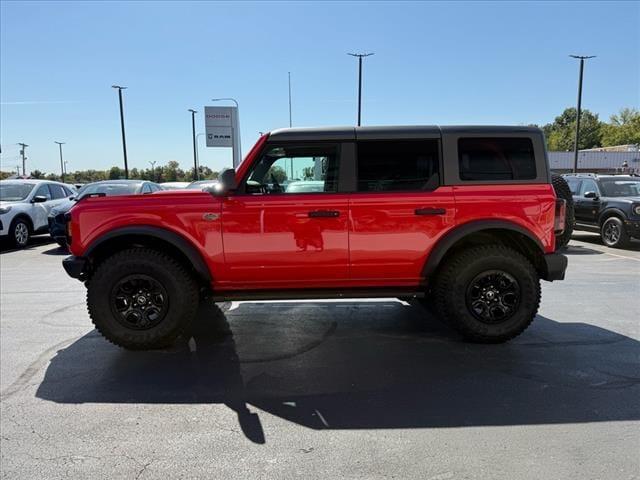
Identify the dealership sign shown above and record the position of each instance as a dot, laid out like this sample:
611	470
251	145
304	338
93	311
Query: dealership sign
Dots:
222	129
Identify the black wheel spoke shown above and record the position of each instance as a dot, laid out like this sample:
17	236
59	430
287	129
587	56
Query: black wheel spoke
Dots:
139	301
493	296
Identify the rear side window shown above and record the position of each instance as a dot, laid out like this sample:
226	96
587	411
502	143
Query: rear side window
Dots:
496	159
392	165
57	191
574	185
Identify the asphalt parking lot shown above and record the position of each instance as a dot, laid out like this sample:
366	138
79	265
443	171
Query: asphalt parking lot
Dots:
324	389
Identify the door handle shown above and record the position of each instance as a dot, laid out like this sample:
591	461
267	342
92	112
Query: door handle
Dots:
324	214
430	211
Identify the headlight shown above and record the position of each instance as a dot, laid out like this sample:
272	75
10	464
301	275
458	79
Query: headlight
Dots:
4	210
636	209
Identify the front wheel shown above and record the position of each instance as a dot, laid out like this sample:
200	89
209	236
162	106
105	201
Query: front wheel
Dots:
141	299
19	232
489	294
613	233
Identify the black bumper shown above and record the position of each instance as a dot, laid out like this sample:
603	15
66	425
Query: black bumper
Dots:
555	266
75	266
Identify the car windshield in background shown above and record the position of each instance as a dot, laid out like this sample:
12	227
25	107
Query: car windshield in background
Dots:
620	188
14	192
200	185
109	189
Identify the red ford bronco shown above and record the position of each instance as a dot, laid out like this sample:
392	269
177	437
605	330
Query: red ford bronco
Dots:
463	218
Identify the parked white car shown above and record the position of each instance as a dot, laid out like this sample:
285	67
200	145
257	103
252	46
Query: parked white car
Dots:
25	206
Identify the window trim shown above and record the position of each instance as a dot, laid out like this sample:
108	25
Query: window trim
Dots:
392	140
451	171
340	147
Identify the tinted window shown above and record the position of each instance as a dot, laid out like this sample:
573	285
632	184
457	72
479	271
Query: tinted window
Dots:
296	169
57	191
588	186
391	165
574	185
496	159
146	188
43	191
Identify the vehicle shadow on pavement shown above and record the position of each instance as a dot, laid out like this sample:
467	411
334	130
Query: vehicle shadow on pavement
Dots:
594	238
7	247
357	365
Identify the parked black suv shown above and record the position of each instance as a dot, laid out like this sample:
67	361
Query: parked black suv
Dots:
608	204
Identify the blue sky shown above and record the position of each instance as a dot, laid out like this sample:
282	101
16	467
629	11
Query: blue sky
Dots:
434	63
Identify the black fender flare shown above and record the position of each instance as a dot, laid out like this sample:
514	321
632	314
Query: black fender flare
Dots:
461	231
611	212
185	246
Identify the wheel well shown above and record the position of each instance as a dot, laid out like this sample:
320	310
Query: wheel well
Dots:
607	214
122	242
26	218
509	238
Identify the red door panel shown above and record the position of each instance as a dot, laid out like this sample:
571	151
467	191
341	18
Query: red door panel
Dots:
272	241
389	242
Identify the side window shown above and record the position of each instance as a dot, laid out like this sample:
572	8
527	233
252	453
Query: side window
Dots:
154	187
146	188
43	191
496	159
588	186
295	168
392	165
57	191
574	185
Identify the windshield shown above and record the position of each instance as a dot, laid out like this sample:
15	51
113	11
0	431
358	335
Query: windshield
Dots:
109	189
612	187
14	192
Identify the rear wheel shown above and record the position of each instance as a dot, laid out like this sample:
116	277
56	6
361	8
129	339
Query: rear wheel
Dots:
563	191
489	294
141	299
20	232
613	233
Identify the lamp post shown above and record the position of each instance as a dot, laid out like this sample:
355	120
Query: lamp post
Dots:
153	170
193	135
237	154
360	56
61	162
124	140
575	150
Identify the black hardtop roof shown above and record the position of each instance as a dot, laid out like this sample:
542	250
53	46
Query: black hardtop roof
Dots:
390	132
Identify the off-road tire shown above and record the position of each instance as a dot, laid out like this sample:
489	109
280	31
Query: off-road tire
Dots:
562	190
179	284
622	240
453	281
19	232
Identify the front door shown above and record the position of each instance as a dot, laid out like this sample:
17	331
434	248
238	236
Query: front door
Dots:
587	209
286	227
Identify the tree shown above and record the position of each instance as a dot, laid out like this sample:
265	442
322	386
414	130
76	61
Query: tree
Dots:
623	129
37	174
115	173
561	133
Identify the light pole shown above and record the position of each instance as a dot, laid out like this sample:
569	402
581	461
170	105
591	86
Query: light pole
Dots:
198	135
290	122
575	150
360	57
61	162
153	170
193	135
24	159
124	140
237	153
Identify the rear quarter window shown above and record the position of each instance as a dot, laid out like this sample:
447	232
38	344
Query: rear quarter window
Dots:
486	159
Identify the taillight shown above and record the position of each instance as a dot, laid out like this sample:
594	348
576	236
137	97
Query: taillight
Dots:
561	216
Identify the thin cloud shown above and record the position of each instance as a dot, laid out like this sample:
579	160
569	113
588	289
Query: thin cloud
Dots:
38	102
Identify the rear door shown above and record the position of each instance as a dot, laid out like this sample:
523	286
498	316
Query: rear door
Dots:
398	210
40	210
287	226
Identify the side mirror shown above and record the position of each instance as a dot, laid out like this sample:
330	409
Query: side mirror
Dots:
39	199
227	182
593	195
